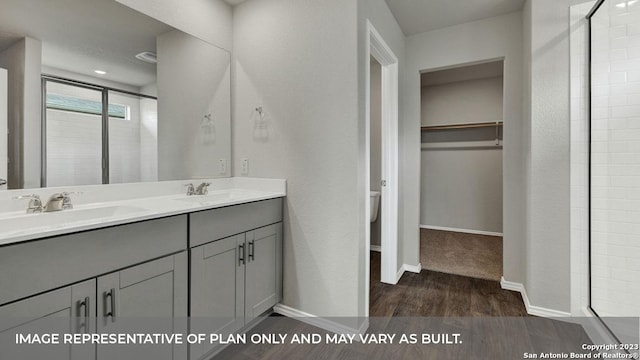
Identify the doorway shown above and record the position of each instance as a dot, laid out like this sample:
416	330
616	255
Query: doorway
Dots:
461	170
381	156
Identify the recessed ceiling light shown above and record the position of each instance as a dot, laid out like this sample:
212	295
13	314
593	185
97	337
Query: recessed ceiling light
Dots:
100	72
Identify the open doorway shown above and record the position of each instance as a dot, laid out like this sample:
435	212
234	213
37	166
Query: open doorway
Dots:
461	170
381	156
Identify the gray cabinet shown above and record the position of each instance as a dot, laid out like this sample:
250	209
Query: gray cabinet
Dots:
147	298
217	289
233	281
67	310
263	271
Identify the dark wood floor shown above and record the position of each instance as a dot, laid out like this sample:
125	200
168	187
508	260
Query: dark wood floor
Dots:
433	293
492	324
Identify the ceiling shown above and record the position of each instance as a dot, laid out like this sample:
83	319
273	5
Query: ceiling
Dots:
418	16
85	35
462	73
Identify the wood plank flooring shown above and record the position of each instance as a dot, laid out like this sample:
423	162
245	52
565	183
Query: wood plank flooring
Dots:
432	293
492	324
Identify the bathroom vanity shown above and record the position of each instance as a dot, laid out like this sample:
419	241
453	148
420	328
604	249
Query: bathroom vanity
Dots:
216	259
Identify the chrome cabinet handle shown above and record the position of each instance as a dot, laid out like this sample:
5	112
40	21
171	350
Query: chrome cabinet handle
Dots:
87	312
3	182
241	260
112	296
251	250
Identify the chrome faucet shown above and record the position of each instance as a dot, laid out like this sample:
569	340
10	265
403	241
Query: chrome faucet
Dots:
55	203
203	189
59	201
190	189
35	204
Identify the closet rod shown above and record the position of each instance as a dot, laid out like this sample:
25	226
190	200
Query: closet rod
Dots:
461	126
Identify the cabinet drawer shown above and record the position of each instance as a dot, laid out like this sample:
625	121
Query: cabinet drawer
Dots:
38	266
210	225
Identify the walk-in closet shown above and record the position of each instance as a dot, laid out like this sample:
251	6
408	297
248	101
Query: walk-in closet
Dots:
461	170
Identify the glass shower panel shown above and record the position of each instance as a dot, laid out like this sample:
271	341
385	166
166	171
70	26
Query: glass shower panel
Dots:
133	138
615	162
73	135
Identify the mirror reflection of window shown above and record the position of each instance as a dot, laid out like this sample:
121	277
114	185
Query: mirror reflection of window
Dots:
73	135
82	150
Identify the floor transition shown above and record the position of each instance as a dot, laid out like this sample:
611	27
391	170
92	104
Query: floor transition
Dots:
477	256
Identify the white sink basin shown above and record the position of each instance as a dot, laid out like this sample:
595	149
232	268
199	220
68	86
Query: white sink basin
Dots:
24	222
217	196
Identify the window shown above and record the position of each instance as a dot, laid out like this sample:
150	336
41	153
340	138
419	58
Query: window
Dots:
83	106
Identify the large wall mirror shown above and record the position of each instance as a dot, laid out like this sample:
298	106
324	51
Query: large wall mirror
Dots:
99	94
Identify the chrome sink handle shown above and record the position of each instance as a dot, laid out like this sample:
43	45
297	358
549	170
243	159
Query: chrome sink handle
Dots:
35	204
66	201
203	189
190	189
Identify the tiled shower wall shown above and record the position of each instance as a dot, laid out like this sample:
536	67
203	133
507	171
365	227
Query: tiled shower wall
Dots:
74	149
615	162
579	158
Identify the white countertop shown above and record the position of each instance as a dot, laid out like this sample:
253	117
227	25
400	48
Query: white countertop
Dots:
17	226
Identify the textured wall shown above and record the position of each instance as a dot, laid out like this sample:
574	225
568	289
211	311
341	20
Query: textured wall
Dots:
548	238
297	59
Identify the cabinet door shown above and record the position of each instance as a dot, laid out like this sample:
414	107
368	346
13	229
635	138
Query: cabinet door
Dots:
264	270
149	298
63	311
217	289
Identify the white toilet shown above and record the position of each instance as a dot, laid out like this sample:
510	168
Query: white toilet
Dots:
375	204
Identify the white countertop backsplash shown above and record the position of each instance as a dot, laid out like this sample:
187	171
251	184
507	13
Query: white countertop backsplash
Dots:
158	199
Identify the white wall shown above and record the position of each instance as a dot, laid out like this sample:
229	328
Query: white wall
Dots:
548	196
297	59
209	20
193	81
23	61
460	102
489	39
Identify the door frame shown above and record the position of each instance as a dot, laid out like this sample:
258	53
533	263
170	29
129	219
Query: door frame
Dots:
377	48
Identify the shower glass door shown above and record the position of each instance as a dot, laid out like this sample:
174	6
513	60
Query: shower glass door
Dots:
615	166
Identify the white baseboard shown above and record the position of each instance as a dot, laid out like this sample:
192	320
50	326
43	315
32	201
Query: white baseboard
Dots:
413	268
406	267
377	248
466	231
531	309
320	322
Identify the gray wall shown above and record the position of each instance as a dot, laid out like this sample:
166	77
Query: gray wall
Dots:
193	80
376	145
297	59
547	163
461	188
470	101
